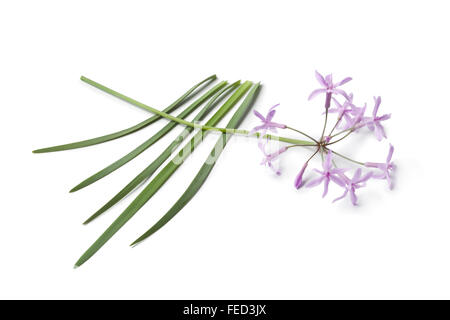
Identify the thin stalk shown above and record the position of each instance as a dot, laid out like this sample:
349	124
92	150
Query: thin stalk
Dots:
187	123
149	142
340	132
335	125
346	130
302	133
346	158
318	148
341	138
112	136
299	145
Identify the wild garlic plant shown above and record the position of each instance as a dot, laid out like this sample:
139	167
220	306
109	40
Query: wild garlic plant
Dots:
350	119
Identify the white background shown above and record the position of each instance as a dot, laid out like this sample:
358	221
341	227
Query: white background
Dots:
247	233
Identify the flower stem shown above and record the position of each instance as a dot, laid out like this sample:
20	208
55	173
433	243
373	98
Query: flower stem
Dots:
346	130
327	106
335	125
302	133
300	145
345	157
272	137
341	138
349	131
187	123
318	148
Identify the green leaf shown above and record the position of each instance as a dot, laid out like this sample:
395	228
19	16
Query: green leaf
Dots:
112	136
150	169
190	124
161	177
149	142
205	170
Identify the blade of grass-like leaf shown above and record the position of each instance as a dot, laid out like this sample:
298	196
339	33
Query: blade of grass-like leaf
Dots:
150	169
190	124
161	177
205	170
149	142
112	136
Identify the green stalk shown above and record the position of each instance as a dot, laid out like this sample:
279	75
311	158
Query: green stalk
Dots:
161	177
207	167
150	169
346	158
190	124
149	142
112	136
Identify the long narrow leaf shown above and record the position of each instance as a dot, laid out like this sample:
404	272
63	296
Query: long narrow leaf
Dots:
205	170
161	177
149	142
112	136
152	167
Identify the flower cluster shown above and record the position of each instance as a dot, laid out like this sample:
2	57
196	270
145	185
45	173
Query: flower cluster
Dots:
350	119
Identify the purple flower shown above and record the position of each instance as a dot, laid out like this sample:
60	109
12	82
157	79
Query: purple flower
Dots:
299	178
343	110
352	114
269	157
386	168
352	184
267	122
328	173
373	123
358	119
347	106
328	86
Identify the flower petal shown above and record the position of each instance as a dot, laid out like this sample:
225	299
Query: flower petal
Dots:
299	178
379	131
341	92
381	175
315	93
391	151
341	197
369	123
357	175
366	177
353	197
277	171
343	81
338	180
327	163
320	79
325	187
374	165
384	117
276	125
389	181
270	115
274	106
377	105
259	115
315	182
